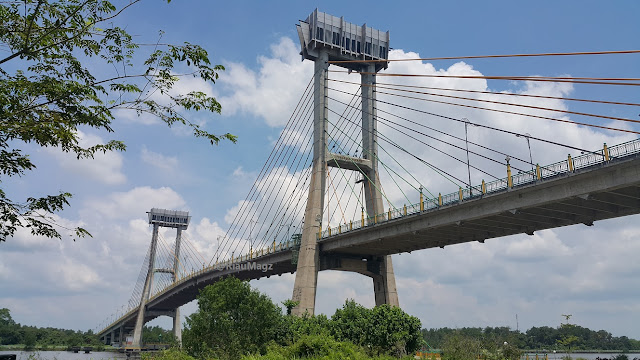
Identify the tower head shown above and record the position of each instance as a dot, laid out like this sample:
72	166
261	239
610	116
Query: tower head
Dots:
169	218
343	41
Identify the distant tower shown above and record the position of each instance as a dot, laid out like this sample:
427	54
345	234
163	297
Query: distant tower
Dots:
325	38
165	218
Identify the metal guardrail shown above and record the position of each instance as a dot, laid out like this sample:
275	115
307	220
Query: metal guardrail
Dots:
540	173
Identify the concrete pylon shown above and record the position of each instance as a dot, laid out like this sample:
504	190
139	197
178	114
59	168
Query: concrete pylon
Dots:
177	326
325	37
137	330
384	285
165	218
304	288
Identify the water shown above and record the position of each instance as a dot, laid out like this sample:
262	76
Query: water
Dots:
588	356
64	355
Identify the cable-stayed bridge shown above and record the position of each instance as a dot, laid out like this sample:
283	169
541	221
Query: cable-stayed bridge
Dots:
319	202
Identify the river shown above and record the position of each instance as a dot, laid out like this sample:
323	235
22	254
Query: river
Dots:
64	355
588	356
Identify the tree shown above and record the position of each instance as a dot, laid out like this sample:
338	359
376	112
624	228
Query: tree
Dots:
351	322
460	347
232	319
392	331
29	339
50	89
382	330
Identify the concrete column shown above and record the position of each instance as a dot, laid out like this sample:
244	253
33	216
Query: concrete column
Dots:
384	286
137	331
177	329
304	289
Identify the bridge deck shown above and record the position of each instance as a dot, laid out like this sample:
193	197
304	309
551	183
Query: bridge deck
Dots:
593	190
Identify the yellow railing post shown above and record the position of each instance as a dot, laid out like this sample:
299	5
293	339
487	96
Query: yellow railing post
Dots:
362	217
509	179
319	232
250	253
421	200
605	150
460	193
350	225
439	199
339	229
538	172
570	162
405	209
389	214
329	229
484	187
274	246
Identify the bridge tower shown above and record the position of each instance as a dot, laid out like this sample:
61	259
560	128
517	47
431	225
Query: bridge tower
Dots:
165	218
325	38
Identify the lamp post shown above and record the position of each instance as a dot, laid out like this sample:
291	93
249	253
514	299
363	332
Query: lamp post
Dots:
466	140
527	136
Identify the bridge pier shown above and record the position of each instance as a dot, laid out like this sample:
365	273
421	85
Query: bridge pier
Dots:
384	284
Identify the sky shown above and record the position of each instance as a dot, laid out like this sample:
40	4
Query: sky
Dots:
592	273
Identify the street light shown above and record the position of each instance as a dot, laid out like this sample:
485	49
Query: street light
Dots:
466	140
527	136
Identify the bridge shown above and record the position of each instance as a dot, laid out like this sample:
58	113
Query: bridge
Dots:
593	185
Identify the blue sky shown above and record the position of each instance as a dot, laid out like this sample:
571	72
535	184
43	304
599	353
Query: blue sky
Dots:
77	284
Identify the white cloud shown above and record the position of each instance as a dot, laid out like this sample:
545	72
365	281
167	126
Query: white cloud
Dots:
105	168
135	203
168	163
273	91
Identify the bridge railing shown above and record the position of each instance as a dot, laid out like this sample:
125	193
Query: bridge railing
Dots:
540	173
496	185
624	149
588	159
554	170
523	178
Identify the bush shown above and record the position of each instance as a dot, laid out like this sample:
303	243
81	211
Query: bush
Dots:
459	347
316	347
169	354
232	319
382	330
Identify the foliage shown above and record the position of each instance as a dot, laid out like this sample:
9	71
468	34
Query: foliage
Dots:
392	331
544	337
156	334
383	330
232	319
293	328
55	81
169	354
316	347
12	333
29	339
350	323
460	347
289	305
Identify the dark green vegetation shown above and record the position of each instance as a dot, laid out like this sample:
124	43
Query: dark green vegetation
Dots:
544	337
234	320
31	337
66	66
26	337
